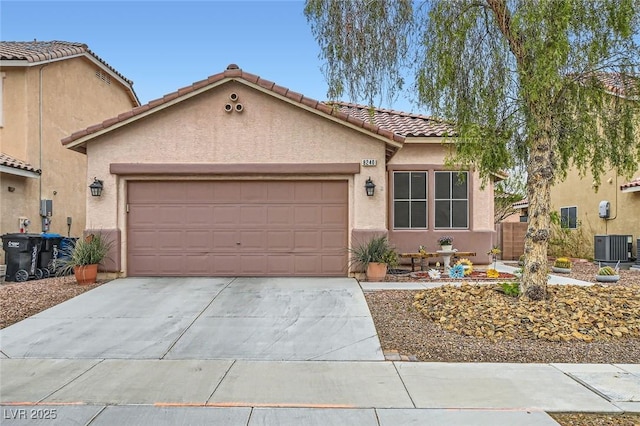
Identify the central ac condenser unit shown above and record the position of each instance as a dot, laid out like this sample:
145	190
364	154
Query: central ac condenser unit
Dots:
613	248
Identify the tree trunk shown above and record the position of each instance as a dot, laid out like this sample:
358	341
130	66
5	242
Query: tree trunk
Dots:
540	177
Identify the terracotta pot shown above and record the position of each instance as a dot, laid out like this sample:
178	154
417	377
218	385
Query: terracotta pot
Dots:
86	274
376	271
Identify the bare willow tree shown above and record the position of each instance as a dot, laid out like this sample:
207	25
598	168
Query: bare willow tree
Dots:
527	82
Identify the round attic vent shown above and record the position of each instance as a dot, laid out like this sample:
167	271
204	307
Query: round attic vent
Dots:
233	67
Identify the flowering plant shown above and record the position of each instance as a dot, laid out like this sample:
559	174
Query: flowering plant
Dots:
492	273
456	271
445	240
434	274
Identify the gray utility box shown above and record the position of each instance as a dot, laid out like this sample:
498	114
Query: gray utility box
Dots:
613	248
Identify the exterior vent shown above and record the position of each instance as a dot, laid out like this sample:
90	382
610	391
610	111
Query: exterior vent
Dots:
612	248
103	76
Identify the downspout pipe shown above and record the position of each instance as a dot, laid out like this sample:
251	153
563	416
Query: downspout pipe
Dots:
40	134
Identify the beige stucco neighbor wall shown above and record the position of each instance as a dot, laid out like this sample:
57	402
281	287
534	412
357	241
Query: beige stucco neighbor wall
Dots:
480	236
42	105
581	193
269	130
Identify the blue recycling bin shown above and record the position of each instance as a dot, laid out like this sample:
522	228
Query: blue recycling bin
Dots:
49	253
22	252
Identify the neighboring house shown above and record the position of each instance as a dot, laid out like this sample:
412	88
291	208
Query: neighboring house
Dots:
235	175
578	199
47	90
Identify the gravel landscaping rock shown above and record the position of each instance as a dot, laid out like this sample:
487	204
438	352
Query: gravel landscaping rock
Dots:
22	300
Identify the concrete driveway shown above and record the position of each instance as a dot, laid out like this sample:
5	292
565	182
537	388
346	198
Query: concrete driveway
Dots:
204	318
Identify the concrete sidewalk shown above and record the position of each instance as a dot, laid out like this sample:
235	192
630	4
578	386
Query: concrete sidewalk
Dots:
155	389
309	392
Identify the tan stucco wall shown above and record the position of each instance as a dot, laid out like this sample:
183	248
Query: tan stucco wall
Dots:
72	98
580	192
269	130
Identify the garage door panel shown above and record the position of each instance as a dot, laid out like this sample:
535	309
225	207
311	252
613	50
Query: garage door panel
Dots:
252	240
198	215
279	240
280	192
143	216
224	215
334	192
308	241
334	264
280	215
307	215
255	264
196	240
279	264
307	191
198	264
224	240
170	215
307	264
333	215
169	239
231	228
253	216
333	240
141	240
224	264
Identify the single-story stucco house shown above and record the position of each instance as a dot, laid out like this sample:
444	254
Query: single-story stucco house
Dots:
236	175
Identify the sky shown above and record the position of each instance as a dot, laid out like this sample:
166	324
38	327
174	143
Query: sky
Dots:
165	45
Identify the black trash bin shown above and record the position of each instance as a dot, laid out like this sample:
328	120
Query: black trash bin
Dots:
49	253
21	256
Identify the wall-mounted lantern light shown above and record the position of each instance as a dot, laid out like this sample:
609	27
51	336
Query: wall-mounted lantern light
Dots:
96	187
370	187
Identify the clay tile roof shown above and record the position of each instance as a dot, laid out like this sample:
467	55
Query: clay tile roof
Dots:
397	122
633	184
521	204
235	72
41	51
623	85
7	160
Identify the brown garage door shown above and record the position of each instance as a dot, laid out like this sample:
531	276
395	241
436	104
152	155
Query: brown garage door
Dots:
243	228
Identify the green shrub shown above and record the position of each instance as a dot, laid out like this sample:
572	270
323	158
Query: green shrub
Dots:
510	289
376	250
90	250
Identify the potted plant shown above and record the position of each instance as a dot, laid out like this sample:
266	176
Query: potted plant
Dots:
446	242
375	256
84	257
607	274
561	265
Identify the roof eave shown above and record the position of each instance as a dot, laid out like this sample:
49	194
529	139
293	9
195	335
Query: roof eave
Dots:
392	146
19	172
6	63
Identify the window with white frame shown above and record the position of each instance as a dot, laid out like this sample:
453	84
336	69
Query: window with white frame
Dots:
410	200
451	200
569	217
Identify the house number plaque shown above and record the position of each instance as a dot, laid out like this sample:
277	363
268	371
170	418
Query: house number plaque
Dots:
370	162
